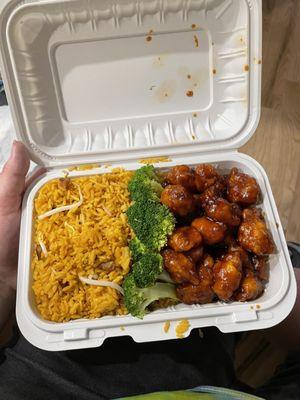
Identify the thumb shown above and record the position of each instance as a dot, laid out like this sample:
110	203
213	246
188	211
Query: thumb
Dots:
12	179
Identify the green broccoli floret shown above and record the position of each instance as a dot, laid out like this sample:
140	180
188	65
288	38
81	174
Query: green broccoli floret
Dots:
137	300
152	223
137	249
145	184
147	269
148	171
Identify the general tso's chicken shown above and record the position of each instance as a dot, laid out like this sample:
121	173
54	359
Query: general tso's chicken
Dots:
261	267
205	176
208	263
227	276
218	189
205	270
253	234
185	238
195	254
180	267
220	210
182	175
252	265
250	289
242	188
201	293
233	246
195	294
178	199
212	232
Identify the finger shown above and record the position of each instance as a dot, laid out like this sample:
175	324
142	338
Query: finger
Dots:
12	179
34	175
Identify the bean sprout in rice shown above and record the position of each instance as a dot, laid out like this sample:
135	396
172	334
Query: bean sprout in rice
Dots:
84	241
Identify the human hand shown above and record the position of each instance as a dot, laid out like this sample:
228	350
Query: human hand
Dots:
13	184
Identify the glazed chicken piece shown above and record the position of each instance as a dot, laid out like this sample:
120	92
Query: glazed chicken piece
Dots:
242	188
227	276
179	200
201	293
180	267
205	176
182	175
212	232
205	271
254	235
195	254
252	265
216	207
220	210
195	294
207	263
233	246
185	239
261	267
218	189
250	289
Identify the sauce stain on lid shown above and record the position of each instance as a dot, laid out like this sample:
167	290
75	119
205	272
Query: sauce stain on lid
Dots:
149	36
160	61
165	91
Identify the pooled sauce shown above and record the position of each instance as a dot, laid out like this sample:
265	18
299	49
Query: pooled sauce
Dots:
167	326
182	328
155	160
84	167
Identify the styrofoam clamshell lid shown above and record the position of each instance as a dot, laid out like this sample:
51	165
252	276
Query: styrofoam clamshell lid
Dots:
101	80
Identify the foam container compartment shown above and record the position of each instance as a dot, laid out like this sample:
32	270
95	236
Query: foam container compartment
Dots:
116	81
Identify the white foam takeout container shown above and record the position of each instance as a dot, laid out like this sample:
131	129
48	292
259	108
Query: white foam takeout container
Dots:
106	81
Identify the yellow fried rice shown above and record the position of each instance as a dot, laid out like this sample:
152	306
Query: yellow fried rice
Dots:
90	241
